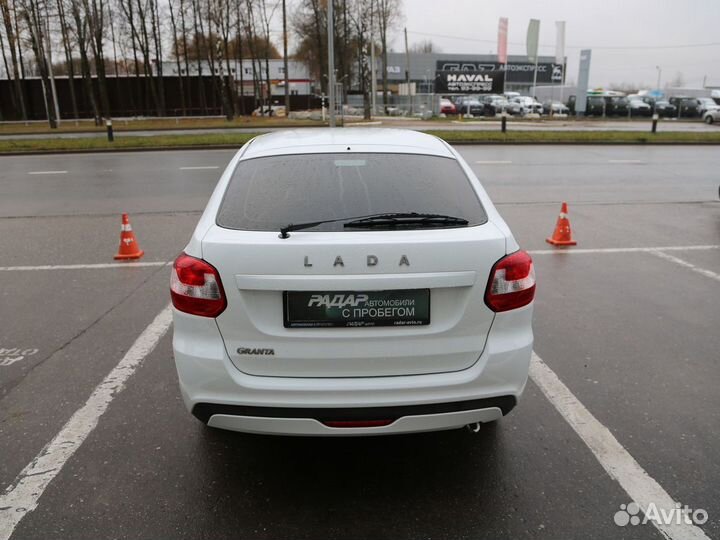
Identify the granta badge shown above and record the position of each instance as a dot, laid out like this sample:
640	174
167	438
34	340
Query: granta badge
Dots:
256	352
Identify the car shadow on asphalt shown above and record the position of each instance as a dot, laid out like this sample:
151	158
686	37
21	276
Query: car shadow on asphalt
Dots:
295	480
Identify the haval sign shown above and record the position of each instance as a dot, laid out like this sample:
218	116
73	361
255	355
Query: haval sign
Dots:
462	77
468	82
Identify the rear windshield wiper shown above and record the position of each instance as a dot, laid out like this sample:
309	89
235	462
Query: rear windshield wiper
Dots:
379	220
411	218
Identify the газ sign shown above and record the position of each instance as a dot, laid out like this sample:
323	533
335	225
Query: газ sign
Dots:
469	82
517	72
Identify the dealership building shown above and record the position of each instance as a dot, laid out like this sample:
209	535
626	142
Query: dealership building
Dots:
429	73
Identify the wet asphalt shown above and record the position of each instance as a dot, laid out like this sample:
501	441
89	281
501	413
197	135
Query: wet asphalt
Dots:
634	336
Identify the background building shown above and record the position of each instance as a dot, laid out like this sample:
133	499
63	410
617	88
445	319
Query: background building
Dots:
424	68
298	76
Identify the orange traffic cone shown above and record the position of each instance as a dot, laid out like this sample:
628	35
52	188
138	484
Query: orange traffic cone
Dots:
562	236
129	248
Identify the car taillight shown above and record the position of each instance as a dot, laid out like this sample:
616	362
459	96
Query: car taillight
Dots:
512	283
195	287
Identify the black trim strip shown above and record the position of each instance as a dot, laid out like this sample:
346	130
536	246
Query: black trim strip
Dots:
203	411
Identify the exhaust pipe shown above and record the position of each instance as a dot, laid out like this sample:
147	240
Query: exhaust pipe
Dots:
474	427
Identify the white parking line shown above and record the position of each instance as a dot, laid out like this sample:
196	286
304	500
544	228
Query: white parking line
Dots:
627	161
199	168
21	497
613	457
494	162
47	172
572	251
689	266
83	266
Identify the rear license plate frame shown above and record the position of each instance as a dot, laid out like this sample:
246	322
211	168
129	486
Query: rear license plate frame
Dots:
339	309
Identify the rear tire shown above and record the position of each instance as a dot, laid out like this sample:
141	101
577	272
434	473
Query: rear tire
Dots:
709	119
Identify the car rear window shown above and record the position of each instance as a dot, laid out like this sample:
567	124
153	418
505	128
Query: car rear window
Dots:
267	193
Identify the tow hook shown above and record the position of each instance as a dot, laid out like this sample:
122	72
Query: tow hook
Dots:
474	427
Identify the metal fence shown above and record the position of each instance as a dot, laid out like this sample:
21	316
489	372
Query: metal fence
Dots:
422	105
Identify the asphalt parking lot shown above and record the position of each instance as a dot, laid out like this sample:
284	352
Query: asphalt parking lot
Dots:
623	403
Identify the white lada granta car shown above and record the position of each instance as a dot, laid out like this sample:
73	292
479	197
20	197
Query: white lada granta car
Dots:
351	282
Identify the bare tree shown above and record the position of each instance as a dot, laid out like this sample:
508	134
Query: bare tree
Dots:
249	24
206	19
239	53
198	57
112	21
157	42
80	30
425	46
67	48
32	12
176	48
388	15
222	17
309	25
105	38
11	35
7	72
266	18
183	33
362	22
138	14
95	14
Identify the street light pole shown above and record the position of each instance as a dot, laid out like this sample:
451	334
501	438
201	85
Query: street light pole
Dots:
659	70
331	62
285	61
407	72
373	75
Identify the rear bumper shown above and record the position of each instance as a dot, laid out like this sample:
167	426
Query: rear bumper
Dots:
314	421
222	396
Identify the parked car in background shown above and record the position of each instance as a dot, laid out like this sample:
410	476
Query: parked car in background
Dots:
469	105
514	108
710	117
616	106
269	110
595	106
555	107
707	104
688	107
447	106
639	108
658	105
664	108
529	105
494	104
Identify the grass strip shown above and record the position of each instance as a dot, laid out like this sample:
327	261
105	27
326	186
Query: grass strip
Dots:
94	144
151	124
578	137
235	140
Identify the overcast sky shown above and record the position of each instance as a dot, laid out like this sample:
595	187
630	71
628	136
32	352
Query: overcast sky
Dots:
470	26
